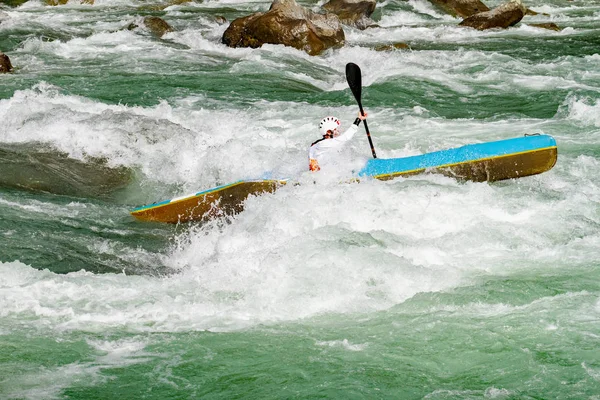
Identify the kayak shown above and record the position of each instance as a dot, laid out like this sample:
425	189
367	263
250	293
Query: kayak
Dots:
480	162
221	200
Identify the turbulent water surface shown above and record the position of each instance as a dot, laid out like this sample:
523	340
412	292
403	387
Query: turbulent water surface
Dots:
420	287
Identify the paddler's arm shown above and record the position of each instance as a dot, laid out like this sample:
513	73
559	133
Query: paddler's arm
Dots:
349	134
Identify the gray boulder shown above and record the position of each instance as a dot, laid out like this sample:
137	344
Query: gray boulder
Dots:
289	24
355	13
503	16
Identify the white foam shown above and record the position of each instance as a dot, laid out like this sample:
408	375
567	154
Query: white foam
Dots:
321	247
425	7
585	111
50	382
344	344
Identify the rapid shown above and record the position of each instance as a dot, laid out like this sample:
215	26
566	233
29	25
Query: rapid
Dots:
419	287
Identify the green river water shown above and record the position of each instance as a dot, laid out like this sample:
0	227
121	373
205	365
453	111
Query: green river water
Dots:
416	288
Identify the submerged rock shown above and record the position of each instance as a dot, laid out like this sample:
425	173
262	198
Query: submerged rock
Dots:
160	7
391	47
289	24
38	168
63	2
5	65
14	3
157	26
503	16
531	12
355	13
461	8
548	25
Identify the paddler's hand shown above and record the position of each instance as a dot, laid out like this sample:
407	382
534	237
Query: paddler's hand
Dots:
361	117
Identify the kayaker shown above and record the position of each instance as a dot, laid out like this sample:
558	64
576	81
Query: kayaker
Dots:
331	140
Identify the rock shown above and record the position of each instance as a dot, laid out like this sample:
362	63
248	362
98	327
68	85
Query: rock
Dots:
38	168
63	2
14	3
461	8
157	26
355	13
178	2
289	24
391	47
531	12
503	16
160	7
547	25
5	65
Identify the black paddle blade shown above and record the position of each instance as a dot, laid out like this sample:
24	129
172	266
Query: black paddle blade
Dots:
353	76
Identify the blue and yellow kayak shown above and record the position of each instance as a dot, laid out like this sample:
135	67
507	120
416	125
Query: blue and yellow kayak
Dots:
481	162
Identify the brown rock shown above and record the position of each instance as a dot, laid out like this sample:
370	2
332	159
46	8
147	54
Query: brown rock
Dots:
548	25
178	2
391	47
157	26
5	65
63	2
289	24
13	3
531	12
352	12
503	16
461	8
162	6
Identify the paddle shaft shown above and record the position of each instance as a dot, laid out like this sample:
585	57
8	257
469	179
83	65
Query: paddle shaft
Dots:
368	133
354	78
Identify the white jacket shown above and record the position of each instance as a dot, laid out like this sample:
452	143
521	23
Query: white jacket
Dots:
320	152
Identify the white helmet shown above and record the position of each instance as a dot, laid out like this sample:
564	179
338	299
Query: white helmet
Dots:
328	124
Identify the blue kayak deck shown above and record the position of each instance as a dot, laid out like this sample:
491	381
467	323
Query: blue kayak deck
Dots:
518	153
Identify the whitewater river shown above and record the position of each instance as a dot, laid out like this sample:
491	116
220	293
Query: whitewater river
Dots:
420	287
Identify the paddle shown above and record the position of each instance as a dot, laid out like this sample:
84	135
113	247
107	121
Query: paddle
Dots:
354	78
